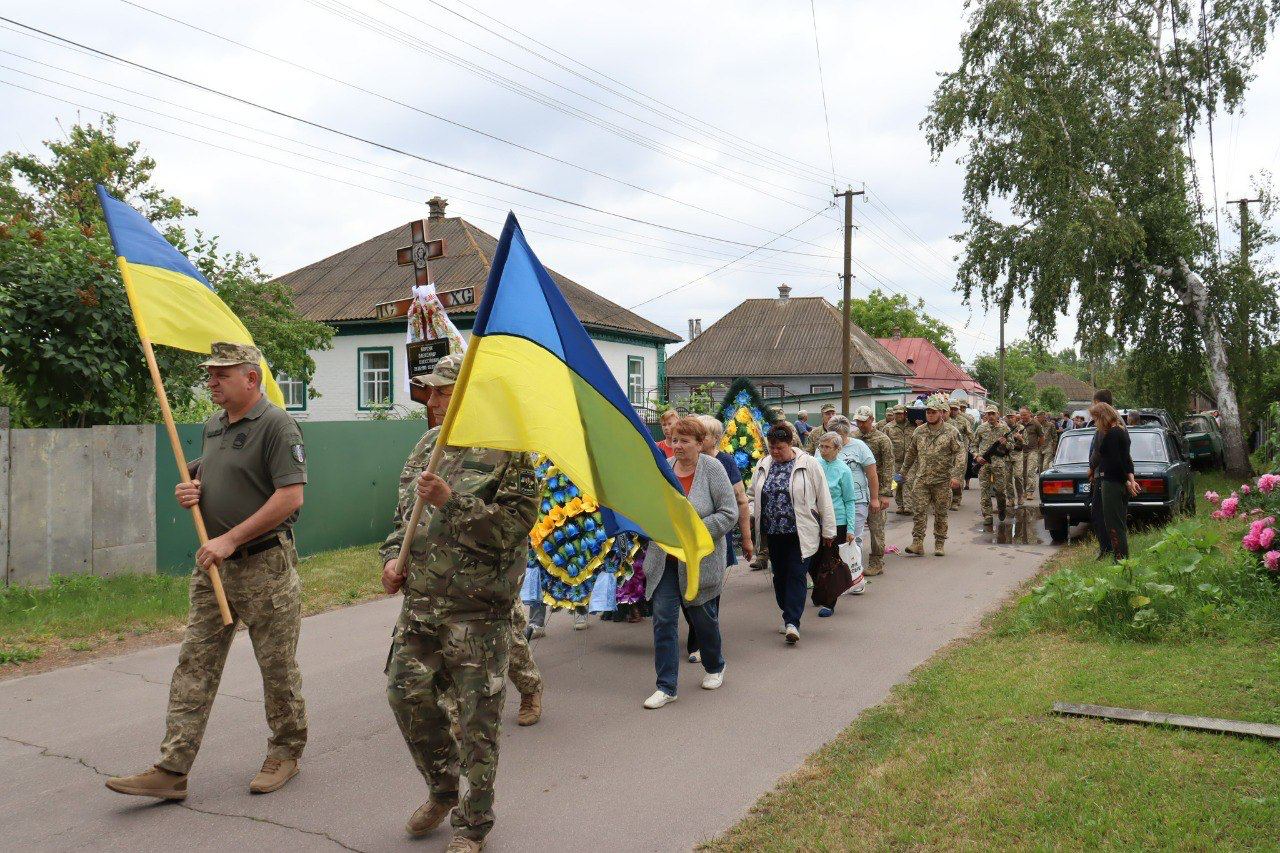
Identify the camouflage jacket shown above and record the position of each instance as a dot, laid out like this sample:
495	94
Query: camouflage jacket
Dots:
1051	436
963	425
1017	440
987	435
468	557
898	435
935	454
882	449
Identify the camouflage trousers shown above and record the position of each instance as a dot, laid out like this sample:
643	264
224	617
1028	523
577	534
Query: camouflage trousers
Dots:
935	497
906	493
875	531
992	479
1016	482
469	659
521	668
264	593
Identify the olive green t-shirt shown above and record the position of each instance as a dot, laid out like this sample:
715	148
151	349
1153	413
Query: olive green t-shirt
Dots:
245	462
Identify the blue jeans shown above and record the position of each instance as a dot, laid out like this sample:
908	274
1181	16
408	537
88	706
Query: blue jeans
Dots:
789	573
666	632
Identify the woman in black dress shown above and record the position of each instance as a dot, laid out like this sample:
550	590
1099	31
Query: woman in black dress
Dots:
1111	470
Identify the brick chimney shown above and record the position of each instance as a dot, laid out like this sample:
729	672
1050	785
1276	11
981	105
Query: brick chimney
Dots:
784	291
437	206
897	333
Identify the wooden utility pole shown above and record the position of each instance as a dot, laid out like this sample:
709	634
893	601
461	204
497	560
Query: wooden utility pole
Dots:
847	195
1004	313
1244	226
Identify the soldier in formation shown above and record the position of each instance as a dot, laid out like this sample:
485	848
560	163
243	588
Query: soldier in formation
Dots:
882	450
935	463
960	421
991	448
461	585
815	434
899	431
248	484
1016	460
1050	447
1033	429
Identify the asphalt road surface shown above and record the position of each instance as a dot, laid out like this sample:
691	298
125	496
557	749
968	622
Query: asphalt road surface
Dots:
598	772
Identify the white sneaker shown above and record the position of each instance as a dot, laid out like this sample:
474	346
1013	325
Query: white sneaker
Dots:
858	588
580	622
783	629
658	699
695	657
712	680
793	635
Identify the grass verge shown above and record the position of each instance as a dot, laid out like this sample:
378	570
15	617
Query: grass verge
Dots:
83	616
967	756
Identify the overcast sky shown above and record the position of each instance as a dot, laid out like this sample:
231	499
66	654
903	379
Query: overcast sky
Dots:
732	83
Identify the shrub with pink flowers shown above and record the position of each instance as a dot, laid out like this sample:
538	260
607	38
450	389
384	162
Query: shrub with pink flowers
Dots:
1262	539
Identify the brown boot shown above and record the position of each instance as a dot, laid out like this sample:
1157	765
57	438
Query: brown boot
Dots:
938	550
428	816
462	844
156	782
916	547
530	708
871	571
987	523
274	774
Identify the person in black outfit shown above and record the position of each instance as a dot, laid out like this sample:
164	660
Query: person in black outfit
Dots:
1102	395
1111	469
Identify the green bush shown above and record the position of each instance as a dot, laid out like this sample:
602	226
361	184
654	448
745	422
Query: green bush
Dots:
1193	580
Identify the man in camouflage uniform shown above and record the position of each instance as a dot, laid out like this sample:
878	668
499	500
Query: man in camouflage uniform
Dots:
935	456
882	450
993	471
248	484
964	426
464	569
1050	447
815	434
1034	432
1016	459
898	432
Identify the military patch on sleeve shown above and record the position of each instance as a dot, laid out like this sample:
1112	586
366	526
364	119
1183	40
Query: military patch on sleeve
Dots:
527	484
298	453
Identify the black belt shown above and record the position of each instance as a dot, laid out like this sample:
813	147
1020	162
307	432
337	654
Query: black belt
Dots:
265	545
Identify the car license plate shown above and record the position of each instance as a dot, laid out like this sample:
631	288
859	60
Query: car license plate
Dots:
1083	488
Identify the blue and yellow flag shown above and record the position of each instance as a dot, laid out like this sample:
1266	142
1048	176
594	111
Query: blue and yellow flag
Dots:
533	380
173	304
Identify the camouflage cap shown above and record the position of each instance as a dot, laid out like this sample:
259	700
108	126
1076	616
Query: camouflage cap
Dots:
864	413
225	354
991	410
444	373
938	404
829	407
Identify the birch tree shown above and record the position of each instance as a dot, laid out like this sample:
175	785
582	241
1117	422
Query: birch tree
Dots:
1075	122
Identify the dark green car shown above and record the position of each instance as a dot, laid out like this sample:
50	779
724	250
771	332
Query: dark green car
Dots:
1204	440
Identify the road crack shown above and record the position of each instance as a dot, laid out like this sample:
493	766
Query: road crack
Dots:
165	684
47	752
268	820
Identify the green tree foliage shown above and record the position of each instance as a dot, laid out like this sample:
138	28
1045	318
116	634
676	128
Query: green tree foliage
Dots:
1075	119
880	313
1052	399
1019	367
69	351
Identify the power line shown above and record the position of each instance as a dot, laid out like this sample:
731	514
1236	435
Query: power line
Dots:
822	86
402	152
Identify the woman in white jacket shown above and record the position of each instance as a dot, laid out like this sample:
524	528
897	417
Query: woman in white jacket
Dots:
793	512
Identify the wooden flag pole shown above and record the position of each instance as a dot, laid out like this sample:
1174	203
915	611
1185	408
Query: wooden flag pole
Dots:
179	457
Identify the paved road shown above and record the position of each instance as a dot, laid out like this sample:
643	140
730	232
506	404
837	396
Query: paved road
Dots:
598	772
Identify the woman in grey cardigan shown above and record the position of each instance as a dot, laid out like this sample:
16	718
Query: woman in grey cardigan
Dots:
708	488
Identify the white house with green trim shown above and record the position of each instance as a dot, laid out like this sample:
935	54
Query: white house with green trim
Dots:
364	372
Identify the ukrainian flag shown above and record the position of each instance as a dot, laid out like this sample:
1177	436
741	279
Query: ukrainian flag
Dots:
533	380
173	304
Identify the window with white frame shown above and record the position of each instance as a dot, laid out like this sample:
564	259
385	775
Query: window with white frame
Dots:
821	389
374	367
294	391
771	392
635	380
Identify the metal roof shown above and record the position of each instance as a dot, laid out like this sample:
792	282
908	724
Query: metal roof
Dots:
797	336
1075	389
933	370
346	286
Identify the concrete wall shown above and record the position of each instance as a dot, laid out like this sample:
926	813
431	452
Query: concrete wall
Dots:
80	501
336	372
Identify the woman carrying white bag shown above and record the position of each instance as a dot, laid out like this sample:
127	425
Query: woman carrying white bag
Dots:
844	496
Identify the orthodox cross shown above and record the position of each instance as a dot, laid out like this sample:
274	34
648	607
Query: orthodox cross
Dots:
419	252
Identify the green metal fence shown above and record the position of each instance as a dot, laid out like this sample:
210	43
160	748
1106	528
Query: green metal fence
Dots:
353	470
